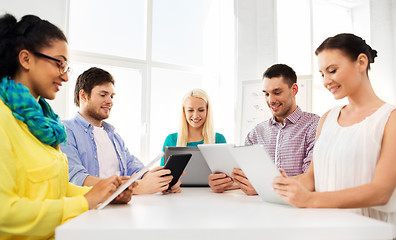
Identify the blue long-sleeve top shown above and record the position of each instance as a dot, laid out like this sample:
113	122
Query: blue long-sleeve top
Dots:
81	151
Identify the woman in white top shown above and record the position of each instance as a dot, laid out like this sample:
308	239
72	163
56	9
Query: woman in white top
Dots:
354	160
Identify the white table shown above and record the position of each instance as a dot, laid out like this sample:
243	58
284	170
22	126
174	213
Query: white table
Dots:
198	213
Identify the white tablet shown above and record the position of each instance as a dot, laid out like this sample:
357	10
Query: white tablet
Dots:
129	182
219	157
260	169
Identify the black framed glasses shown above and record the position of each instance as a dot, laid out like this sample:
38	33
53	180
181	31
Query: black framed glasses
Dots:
64	67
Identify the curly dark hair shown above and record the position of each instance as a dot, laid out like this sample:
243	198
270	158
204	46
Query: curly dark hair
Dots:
30	33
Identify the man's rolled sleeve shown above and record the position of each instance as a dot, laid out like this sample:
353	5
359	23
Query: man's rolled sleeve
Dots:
310	146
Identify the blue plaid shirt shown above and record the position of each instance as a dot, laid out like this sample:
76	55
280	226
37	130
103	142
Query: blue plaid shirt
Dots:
81	151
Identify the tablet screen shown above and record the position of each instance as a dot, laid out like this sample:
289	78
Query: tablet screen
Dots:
260	169
219	157
129	182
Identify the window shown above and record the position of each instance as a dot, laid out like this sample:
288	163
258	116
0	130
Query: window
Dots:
178	31
294	35
126	112
108	27
168	88
329	20
157	50
302	27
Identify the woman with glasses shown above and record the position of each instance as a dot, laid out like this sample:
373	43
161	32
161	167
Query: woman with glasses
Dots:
354	160
35	195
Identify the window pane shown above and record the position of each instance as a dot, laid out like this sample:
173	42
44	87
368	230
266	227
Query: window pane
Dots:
294	35
178	31
126	112
108	27
328	20
168	88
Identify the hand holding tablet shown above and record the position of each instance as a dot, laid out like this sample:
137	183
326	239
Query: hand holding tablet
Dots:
219	157
176	163
260	169
129	182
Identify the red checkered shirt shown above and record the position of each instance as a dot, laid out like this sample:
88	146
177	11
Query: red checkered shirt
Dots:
289	145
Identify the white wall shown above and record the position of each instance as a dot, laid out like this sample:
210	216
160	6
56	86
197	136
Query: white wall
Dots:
51	10
361	23
255	45
256	33
383	74
54	11
393	7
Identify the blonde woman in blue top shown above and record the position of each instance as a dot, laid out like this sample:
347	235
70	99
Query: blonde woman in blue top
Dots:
196	123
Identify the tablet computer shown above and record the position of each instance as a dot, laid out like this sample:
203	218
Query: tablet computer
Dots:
176	163
124	186
197	171
260	169
219	157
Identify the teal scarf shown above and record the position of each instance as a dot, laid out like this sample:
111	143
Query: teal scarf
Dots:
38	116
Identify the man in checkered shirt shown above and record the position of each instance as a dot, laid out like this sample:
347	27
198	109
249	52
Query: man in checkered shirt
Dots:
288	136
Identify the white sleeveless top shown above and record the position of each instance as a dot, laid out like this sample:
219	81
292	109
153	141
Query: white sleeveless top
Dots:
346	157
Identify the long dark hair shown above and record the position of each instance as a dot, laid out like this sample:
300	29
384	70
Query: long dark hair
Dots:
30	33
351	45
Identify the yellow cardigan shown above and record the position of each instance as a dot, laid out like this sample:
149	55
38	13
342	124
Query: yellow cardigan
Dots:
35	194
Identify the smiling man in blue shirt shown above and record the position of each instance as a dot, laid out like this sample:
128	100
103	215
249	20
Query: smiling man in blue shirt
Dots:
94	150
